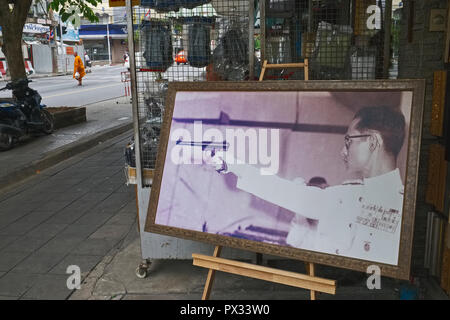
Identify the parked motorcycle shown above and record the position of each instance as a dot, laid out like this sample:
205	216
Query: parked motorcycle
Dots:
23	114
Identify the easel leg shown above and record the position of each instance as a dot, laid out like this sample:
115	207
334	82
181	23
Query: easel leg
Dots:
312	274
211	275
259	259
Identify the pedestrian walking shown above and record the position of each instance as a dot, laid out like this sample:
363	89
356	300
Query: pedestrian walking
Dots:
78	69
87	62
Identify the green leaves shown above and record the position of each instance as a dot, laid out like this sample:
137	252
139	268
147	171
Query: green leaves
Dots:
65	8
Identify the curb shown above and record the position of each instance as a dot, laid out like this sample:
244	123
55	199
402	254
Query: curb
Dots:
60	154
48	75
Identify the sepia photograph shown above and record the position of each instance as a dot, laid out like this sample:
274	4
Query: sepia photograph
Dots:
322	171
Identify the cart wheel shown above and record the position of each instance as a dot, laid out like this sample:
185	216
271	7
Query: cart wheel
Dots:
141	273
142	269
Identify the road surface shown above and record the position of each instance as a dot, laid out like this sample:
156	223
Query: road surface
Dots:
102	83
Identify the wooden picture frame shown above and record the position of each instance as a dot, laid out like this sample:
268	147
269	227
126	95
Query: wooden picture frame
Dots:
447	38
437	175
192	200
438	103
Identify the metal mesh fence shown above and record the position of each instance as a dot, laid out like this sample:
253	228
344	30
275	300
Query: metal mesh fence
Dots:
342	39
184	41
208	40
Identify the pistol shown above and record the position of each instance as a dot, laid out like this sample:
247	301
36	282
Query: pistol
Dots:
206	145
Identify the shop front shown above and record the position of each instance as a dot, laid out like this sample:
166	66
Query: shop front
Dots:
104	43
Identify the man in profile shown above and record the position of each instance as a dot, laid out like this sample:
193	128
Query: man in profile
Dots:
361	218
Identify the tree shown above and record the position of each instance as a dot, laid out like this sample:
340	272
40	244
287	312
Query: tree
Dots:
13	14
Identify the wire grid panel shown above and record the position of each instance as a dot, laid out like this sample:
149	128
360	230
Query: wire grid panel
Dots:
342	39
182	40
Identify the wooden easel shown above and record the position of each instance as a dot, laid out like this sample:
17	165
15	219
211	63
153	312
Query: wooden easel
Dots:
215	263
303	65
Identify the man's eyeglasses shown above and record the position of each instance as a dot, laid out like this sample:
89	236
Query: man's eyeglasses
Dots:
347	139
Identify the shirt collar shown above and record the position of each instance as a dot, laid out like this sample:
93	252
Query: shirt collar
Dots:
390	178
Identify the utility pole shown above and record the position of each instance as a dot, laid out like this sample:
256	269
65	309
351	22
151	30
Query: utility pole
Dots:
107	38
62	45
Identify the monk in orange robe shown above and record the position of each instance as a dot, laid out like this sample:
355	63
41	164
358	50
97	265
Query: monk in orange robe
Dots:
78	67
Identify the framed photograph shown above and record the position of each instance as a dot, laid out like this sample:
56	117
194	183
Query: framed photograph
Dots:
320	171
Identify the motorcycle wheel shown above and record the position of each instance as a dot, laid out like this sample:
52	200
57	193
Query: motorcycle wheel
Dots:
49	123
6	141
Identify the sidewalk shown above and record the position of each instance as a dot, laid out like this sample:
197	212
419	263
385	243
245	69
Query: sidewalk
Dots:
105	120
71	214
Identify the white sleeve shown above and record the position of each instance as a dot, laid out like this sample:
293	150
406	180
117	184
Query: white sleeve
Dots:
307	201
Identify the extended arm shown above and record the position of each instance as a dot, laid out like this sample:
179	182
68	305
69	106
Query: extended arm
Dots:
310	202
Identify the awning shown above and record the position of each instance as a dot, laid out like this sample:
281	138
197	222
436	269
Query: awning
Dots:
99	31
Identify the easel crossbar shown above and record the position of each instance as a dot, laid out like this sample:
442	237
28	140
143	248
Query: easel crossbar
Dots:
285	65
265	273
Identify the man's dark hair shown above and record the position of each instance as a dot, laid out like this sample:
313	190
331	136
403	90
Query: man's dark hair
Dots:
389	122
317	182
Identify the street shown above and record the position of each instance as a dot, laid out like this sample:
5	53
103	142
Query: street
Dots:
101	84
60	91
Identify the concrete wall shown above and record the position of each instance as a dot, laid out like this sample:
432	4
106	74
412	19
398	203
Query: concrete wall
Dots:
65	62
117	51
42	58
421	53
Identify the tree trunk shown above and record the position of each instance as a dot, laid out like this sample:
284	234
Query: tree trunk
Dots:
12	48
12	22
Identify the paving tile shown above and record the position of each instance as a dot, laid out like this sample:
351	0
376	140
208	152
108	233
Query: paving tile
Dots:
126	218
25	244
127	189
35	217
5	240
69	197
47	229
49	287
96	196
16	284
54	206
17	229
92	218
79	230
129	207
66	216
95	247
85	262
39	262
113	203
110	232
61	245
30	199
64	180
9	217
52	188
26	223
8	298
84	203
19	205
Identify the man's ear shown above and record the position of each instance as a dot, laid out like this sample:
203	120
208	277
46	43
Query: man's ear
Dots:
374	142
